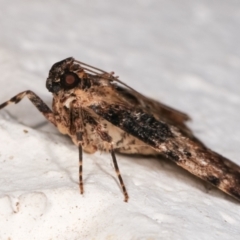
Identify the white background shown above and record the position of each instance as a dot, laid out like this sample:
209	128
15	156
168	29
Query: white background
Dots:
183	53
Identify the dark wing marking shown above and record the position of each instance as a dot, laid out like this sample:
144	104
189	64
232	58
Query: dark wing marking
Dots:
160	111
174	145
141	125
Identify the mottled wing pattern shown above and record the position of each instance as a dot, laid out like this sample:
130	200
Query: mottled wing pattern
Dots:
159	110
174	144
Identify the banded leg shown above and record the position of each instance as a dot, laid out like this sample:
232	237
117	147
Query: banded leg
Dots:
119	175
37	101
79	138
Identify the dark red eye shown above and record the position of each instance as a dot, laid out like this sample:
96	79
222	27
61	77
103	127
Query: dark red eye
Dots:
69	80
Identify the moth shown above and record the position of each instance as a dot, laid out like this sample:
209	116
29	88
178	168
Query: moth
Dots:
100	112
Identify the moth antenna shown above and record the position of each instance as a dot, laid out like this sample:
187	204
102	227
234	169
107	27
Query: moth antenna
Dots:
87	65
115	78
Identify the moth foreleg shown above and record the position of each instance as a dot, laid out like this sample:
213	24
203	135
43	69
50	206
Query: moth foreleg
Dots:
79	138
37	101
119	175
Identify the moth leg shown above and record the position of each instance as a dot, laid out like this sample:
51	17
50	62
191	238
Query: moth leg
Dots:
106	138
76	127
79	138
119	174
37	101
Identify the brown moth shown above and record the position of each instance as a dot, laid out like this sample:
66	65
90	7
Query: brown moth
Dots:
99	112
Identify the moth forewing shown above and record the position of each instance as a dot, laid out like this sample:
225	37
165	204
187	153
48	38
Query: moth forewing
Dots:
100	112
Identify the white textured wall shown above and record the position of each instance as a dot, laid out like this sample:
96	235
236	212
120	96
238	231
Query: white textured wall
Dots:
184	53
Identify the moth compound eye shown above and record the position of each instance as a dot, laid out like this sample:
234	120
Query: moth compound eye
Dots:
69	80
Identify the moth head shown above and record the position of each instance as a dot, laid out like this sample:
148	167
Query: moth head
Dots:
63	76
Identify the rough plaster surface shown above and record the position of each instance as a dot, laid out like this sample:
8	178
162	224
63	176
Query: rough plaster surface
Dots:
184	53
